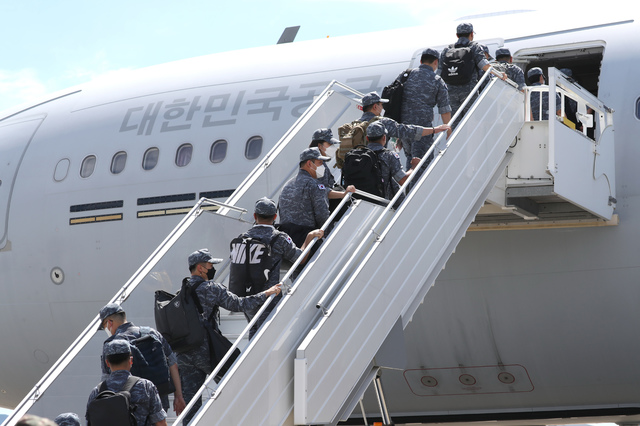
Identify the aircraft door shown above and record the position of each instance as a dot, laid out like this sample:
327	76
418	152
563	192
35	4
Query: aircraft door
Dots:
15	137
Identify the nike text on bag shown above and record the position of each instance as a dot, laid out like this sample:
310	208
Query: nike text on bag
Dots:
458	65
113	408
351	135
395	93
178	319
251	263
362	169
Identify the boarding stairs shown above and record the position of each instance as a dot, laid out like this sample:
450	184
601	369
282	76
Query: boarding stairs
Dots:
326	340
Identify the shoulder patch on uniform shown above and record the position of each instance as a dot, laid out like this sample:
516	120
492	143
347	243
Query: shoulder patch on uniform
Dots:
395	154
321	186
289	240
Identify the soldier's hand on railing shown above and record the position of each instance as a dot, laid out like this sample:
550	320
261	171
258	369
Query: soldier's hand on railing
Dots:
276	289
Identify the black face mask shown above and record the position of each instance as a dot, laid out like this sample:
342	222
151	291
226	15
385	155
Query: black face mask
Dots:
211	273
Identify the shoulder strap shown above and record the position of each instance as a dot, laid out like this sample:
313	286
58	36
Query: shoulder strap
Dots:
103	386
131	382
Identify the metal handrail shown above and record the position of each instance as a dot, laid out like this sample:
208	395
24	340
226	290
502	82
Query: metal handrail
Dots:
236	343
378	235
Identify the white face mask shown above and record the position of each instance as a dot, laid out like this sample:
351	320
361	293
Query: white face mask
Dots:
319	172
106	330
331	151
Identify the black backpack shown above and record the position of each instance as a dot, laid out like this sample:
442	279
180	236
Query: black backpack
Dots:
251	264
113	408
395	94
362	169
178	318
458	65
149	361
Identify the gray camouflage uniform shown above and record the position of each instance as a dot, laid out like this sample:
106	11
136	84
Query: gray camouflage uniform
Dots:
144	396
390	169
195	365
303	202
514	72
130	329
535	103
282	248
423	90
458	93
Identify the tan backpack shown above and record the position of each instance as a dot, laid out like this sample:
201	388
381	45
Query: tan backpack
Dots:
351	135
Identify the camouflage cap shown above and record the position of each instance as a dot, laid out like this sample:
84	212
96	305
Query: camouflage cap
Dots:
503	51
431	52
324	135
372	98
568	73
202	256
465	28
534	71
376	130
313	154
31	420
265	207
107	311
117	347
67	419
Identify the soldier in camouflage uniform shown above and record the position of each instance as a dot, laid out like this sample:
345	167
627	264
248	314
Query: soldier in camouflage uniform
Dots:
195	364
303	203
458	93
536	79
282	247
327	145
504	63
144	394
113	320
408	133
423	90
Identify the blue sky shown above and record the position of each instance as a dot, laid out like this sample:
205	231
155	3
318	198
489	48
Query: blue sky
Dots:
49	46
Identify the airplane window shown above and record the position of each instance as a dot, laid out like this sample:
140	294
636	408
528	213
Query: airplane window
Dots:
218	151
118	162
253	148
62	168
88	165
183	155
150	159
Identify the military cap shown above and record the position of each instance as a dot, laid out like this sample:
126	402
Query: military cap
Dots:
568	73
503	51
376	130
117	347
313	154
265	207
431	52
202	256
324	135
465	28
534	71
67	419
107	311
372	98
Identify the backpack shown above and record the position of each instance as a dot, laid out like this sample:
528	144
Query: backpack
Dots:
113	408
362	169
251	264
178	318
395	94
351	135
458	65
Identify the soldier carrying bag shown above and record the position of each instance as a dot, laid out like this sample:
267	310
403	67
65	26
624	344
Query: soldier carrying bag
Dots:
113	408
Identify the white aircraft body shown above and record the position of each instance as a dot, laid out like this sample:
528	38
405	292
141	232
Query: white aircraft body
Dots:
92	179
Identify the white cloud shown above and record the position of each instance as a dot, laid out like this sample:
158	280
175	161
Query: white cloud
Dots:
20	86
